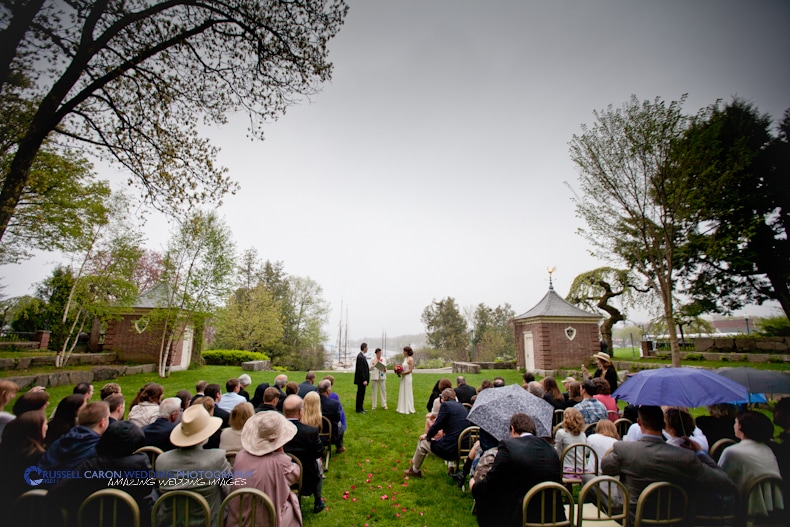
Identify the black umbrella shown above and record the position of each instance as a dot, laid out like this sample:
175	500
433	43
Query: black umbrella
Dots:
758	381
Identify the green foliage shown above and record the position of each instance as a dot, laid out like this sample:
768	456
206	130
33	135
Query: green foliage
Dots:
431	364
250	320
694	356
776	360
777	326
493	338
231	357
446	329
28	314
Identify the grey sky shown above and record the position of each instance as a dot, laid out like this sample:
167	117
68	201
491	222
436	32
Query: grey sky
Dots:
433	164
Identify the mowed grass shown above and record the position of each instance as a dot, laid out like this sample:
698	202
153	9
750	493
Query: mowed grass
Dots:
365	485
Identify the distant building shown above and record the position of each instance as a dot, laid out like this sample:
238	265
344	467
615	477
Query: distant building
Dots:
555	333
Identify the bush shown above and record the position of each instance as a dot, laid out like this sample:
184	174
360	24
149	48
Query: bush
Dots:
429	364
776	360
694	356
231	357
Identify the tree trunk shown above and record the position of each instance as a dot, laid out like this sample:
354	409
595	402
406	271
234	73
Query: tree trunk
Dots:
23	14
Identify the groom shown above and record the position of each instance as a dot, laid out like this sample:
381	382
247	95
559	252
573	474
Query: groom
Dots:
361	377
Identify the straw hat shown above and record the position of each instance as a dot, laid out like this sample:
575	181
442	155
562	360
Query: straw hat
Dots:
603	356
568	380
265	432
196	425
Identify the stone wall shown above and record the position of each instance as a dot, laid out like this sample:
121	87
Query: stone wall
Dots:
743	345
97	374
23	363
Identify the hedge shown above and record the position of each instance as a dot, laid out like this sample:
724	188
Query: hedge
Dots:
231	357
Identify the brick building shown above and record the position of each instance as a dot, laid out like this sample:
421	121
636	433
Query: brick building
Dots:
554	334
134	338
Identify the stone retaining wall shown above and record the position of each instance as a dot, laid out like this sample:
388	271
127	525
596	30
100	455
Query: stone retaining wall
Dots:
23	363
97	374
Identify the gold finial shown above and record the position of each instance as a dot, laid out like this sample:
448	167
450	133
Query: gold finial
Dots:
551	270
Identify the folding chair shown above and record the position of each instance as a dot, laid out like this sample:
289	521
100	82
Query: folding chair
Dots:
257	498
607	498
661	503
550	496
183	505
112	506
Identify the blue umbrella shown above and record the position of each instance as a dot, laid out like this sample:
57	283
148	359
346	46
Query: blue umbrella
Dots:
690	387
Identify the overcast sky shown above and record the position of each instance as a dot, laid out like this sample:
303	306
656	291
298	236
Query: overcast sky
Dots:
434	164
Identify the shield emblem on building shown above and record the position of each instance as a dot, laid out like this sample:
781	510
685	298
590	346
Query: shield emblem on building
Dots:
570	332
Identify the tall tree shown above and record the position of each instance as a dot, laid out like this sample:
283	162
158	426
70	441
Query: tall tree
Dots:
631	197
199	264
594	290
446	328
131	79
305	314
250	321
493	337
739	197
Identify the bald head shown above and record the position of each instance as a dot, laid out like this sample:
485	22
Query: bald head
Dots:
292	407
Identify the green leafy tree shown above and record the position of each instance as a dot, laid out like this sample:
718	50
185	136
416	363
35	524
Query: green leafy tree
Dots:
198	273
631	197
305	313
594	290
249	321
493	338
776	326
446	328
28	314
739	197
130	80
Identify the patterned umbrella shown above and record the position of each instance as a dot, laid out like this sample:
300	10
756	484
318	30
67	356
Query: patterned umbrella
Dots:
758	381
494	407
690	387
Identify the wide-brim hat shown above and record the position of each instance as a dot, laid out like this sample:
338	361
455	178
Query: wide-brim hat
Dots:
265	432
568	380
603	356
196	426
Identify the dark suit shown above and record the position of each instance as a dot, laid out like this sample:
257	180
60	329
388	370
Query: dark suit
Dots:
158	433
265	408
361	379
305	388
464	393
306	445
520	464
222	414
331	410
651	459
452	421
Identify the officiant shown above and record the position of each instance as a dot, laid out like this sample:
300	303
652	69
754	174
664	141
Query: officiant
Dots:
378	379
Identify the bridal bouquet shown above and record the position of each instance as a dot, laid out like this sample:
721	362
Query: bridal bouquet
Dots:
398	370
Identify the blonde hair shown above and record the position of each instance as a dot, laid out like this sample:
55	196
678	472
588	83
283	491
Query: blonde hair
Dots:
311	414
239	415
605	427
573	421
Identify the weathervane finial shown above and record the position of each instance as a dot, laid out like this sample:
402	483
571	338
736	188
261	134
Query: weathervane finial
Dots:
551	270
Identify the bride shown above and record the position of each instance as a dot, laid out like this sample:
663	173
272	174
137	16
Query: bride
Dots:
405	395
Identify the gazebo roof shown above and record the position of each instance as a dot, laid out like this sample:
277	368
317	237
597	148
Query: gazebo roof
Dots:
153	297
552	305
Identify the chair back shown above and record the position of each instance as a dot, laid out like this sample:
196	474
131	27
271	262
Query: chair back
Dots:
661	503
230	455
763	502
326	439
559	416
719	446
108	508
608	496
33	508
622	425
468	407
716	509
574	462
296	487
246	516
152	452
555	428
590	429
550	507
185	507
466	440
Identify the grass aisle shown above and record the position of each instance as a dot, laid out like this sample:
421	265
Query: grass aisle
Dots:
365	485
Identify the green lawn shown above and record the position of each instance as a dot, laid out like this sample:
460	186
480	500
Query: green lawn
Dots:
379	446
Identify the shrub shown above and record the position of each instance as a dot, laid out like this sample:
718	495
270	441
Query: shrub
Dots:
776	360
694	356
427	364
231	357
663	356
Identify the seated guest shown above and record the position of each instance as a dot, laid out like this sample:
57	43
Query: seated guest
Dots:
214	392
331	410
109	389
601	441
31	401
257	398
592	409
208	404
311	413
552	394
651	459
566	383
188	436
272	471
499	382
436	393
200	391
522	461
635	434
720	424
463	391
185	397
114	453
452	421
603	395
244	383
8	391
230	439
305	445
22	446
117	404
231	398
158	433
574	394
79	443
336	397
291	388
66	418
271	398
279	382
536	389
146	409
678	425
431	416
308	385
752	458
571	433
